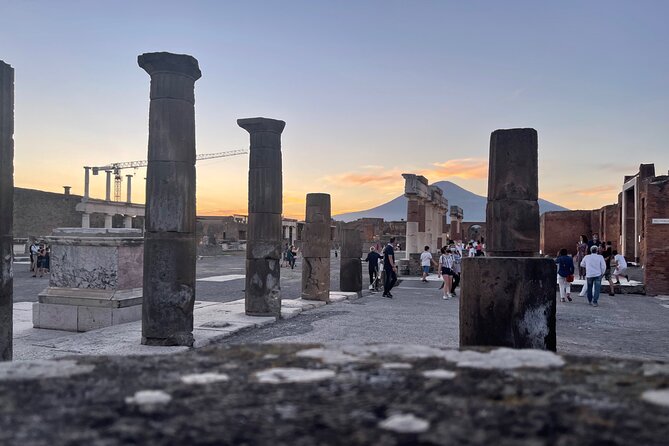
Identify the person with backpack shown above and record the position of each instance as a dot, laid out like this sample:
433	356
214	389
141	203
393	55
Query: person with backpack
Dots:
565	265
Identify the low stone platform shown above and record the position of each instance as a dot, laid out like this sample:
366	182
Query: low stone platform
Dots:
308	394
625	287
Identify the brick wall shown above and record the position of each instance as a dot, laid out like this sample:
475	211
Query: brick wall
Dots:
654	246
561	229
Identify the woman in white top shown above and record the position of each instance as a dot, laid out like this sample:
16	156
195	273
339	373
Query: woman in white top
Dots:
446	262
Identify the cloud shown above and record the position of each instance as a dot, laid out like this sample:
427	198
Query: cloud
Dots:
463	168
596	191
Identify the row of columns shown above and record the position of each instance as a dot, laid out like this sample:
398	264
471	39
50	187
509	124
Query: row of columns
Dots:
87	185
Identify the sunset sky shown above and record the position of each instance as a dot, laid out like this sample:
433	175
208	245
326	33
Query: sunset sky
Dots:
368	90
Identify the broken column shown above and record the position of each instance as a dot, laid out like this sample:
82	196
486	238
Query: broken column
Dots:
457	215
316	248
169	240
6	209
350	274
413	190
263	245
508	297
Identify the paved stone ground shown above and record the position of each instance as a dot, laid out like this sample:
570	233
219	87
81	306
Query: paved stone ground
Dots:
355	395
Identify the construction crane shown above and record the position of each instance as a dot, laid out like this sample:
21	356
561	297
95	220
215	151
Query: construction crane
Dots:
117	167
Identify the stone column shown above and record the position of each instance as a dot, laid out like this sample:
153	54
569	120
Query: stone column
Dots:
6	209
108	221
429	225
456	222
316	248
108	187
350	274
412	226
420	239
129	188
85	220
127	221
169	240
87	183
508	299
263	245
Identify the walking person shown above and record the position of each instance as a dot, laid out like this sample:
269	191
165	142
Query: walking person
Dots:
607	254
426	262
457	269
565	265
390	268
446	271
619	267
595	266
373	260
34	252
581	252
293	256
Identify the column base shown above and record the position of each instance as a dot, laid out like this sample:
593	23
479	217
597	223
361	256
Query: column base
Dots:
177	340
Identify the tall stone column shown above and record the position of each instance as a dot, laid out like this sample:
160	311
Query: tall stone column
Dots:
412	226
350	274
108	221
129	189
169	240
456	222
429	225
108	185
6	209
85	220
316	248
508	297
127	221
421	239
87	183
263	246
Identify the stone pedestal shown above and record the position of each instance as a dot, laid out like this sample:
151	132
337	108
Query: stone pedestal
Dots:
170	245
508	302
263	249
95	280
316	248
6	208
350	275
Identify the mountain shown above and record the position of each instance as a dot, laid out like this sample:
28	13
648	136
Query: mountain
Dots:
473	206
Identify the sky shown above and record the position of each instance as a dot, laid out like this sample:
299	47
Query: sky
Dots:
368	89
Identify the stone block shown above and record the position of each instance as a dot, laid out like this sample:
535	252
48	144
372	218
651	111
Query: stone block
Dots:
92	318
170	192
130	263
174	139
169	289
513	228
351	244
265	186
55	317
350	276
126	314
513	169
316	240
263	287
318	208
508	302
316	278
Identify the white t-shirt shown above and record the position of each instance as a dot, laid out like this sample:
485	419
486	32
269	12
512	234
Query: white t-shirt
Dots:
620	261
425	258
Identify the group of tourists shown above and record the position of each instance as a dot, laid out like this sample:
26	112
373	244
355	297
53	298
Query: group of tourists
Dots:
382	268
289	256
595	260
40	258
449	266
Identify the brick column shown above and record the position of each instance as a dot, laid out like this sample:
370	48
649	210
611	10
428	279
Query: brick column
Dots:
316	248
169	240
263	246
6	209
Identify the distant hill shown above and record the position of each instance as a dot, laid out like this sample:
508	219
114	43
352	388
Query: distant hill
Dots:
472	204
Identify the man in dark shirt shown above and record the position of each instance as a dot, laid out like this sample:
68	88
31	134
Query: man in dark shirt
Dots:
373	260
389	268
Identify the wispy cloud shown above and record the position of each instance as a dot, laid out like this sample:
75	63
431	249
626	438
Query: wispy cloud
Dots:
596	191
463	168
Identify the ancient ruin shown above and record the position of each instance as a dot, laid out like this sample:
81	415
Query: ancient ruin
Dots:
457	214
350	274
6	208
508	298
169	240
316	248
94	281
263	249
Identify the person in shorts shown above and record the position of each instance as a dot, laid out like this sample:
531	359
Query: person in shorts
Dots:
446	262
426	261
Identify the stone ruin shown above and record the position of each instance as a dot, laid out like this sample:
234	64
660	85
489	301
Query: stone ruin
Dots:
6	208
508	297
316	248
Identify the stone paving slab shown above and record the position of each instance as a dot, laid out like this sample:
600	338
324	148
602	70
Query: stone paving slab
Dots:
298	394
213	321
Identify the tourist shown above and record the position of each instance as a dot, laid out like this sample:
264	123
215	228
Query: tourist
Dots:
471	251
565	269
40	260
288	255
373	260
581	251
594	241
457	269
390	268
34	252
606	253
620	267
595	266
426	262
293	252
446	261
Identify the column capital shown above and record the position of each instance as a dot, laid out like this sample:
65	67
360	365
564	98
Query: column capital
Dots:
254	125
164	62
